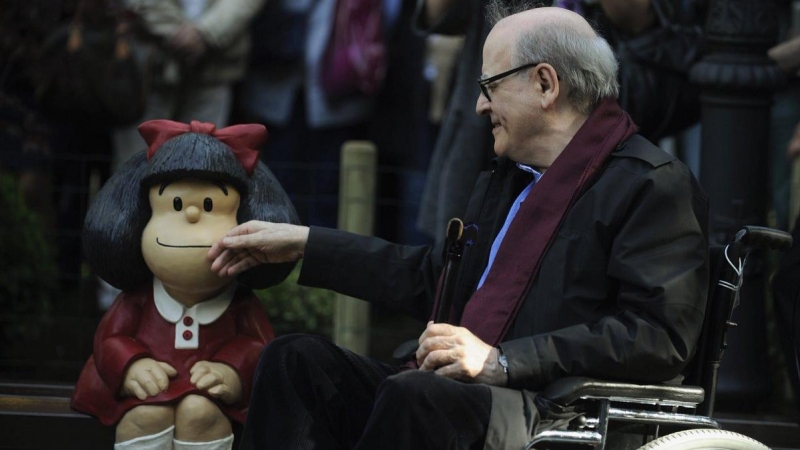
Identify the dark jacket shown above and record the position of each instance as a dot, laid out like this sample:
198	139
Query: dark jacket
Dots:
621	291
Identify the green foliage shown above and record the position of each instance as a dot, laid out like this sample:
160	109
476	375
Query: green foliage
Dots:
27	266
298	309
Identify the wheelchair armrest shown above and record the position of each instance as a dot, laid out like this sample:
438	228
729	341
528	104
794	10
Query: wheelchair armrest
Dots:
566	391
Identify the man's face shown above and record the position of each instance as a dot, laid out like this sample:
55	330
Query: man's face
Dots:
188	217
512	109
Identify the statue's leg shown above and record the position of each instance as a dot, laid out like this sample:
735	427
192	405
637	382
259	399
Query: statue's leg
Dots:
148	427
200	424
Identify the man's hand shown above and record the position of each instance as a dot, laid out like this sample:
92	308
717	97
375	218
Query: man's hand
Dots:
218	379
254	243
454	352
147	378
188	43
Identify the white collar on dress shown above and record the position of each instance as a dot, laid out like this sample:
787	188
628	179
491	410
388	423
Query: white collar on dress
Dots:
205	312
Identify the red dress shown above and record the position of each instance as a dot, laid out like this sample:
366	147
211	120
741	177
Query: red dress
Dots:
133	329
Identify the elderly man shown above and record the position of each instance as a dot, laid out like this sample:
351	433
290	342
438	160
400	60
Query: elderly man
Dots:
590	259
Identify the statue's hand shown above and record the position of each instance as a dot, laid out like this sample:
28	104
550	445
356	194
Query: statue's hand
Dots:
218	379
147	378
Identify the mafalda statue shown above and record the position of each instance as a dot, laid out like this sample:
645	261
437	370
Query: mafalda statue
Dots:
174	357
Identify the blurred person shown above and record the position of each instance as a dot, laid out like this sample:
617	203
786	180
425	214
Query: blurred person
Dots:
464	144
284	91
196	50
402	130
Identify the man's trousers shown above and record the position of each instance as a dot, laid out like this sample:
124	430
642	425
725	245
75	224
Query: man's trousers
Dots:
309	393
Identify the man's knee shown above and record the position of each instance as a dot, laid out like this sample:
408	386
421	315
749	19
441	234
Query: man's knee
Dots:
285	352
411	386
294	344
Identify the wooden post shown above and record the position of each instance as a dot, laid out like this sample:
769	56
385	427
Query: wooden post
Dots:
357	182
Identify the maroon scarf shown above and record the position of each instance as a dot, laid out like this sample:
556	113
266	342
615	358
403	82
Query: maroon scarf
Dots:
492	308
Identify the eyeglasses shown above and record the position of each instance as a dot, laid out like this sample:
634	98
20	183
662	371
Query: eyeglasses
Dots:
482	83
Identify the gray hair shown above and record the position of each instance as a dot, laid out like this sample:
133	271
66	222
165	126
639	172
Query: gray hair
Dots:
586	65
497	10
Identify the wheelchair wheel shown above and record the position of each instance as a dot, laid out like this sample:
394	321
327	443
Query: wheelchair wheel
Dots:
704	439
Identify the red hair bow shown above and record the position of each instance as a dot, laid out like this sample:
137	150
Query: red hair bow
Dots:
243	140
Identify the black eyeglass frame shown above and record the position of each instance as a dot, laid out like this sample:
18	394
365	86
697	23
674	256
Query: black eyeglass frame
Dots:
483	82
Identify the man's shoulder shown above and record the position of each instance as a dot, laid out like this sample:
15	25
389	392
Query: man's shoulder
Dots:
638	162
637	148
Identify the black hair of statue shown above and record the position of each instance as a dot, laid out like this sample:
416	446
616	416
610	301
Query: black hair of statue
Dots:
120	211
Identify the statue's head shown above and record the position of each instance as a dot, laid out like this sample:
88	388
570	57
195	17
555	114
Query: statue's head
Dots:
161	212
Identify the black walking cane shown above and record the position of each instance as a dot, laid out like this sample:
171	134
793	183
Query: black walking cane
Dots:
454	248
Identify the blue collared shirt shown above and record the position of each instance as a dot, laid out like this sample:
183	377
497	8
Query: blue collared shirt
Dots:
511	214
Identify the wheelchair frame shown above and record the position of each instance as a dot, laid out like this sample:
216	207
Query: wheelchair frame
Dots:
687	406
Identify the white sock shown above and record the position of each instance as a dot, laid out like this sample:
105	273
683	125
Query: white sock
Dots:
225	443
159	441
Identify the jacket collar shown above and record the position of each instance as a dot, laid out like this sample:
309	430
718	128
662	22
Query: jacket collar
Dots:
204	312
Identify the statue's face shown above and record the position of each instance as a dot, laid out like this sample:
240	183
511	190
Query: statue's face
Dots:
188	217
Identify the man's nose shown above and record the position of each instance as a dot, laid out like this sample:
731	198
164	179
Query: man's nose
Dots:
483	105
192	214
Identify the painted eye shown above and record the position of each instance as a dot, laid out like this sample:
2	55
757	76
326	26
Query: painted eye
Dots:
208	204
177	203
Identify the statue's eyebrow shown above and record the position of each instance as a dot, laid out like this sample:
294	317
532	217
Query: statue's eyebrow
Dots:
221	186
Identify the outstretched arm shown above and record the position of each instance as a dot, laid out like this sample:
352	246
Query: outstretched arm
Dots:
254	243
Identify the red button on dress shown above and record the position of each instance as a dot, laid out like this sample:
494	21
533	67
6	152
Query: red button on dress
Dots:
188	321
187	335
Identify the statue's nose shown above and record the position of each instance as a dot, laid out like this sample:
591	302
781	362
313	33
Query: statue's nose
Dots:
192	214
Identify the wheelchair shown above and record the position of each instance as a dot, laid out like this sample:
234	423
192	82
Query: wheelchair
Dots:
664	416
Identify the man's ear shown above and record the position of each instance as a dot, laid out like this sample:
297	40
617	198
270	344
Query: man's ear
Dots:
548	84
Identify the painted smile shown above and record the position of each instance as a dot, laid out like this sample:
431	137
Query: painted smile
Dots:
181	246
